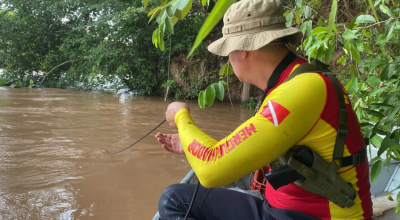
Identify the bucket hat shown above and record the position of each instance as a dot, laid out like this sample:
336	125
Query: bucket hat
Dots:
252	24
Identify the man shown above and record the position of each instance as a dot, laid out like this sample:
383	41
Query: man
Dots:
301	111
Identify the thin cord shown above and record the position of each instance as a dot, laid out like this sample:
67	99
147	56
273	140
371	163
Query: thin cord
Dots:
229	94
169	64
115	152
192	202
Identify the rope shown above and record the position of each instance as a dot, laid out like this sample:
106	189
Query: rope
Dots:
115	152
229	94
169	64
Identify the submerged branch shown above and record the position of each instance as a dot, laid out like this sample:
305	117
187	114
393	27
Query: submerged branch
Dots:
47	74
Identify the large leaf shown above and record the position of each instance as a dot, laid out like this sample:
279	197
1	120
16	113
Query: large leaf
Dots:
373	113
169	25
388	72
181	4
377	91
219	90
226	69
362	19
181	13
386	10
210	95
216	14
289	19
202	99
348	34
355	53
398	204
332	16
376	170
382	105
386	143
394	112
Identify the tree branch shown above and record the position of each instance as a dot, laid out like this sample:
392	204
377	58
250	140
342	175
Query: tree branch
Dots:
47	74
5	12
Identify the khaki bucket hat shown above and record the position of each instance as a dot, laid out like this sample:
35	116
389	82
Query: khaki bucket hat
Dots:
252	24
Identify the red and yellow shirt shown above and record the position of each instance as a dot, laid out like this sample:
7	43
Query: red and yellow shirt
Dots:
302	111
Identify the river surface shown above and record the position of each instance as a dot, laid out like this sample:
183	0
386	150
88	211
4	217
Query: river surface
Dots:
53	163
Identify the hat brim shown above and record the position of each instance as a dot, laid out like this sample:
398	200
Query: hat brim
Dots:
254	41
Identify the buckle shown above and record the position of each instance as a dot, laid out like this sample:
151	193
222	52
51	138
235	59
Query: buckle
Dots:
356	159
342	132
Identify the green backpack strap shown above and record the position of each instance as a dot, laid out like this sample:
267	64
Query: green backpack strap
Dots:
317	66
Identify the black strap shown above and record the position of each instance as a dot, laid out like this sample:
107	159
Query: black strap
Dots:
273	79
353	160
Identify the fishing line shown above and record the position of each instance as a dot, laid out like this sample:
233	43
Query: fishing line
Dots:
115	152
229	94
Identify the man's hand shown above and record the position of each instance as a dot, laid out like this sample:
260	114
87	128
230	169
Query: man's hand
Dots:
170	142
172	109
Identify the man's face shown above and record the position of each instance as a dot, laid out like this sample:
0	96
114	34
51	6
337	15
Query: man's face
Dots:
237	62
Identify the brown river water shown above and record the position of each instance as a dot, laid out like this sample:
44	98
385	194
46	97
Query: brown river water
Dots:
53	163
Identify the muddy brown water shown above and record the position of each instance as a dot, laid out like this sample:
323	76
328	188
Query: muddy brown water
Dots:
53	163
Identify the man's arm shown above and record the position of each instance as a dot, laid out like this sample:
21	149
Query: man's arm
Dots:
286	116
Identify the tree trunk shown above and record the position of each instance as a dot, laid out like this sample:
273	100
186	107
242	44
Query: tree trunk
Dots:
245	92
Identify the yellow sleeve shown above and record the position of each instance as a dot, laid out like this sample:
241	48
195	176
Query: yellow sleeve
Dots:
287	114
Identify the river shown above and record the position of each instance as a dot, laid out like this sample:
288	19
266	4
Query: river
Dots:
53	163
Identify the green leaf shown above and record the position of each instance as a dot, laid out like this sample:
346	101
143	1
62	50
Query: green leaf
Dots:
389	30
365	19
386	143
213	18
377	91
210	95
359	44
181	4
348	34
181	13
382	105
373	113
161	43
391	116
376	170
219	90
368	48
145	4
388	71
155	13
355	53
224	84
386	10
377	140
225	70
329	53
373	80
332	16
308	27
202	99
169	25
289	19
203	2
352	22
299	3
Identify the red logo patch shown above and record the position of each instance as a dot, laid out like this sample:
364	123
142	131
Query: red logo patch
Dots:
275	112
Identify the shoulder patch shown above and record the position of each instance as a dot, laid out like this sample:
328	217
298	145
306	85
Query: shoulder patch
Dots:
274	112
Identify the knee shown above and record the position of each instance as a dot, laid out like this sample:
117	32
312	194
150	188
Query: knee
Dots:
167	195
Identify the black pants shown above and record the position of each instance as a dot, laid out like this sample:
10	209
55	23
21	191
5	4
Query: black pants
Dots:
219	204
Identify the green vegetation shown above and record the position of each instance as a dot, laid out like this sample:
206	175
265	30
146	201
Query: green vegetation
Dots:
87	45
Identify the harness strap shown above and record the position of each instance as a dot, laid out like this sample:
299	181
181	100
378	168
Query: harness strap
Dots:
342	131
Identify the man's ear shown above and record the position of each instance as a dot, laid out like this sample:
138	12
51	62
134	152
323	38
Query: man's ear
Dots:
245	54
